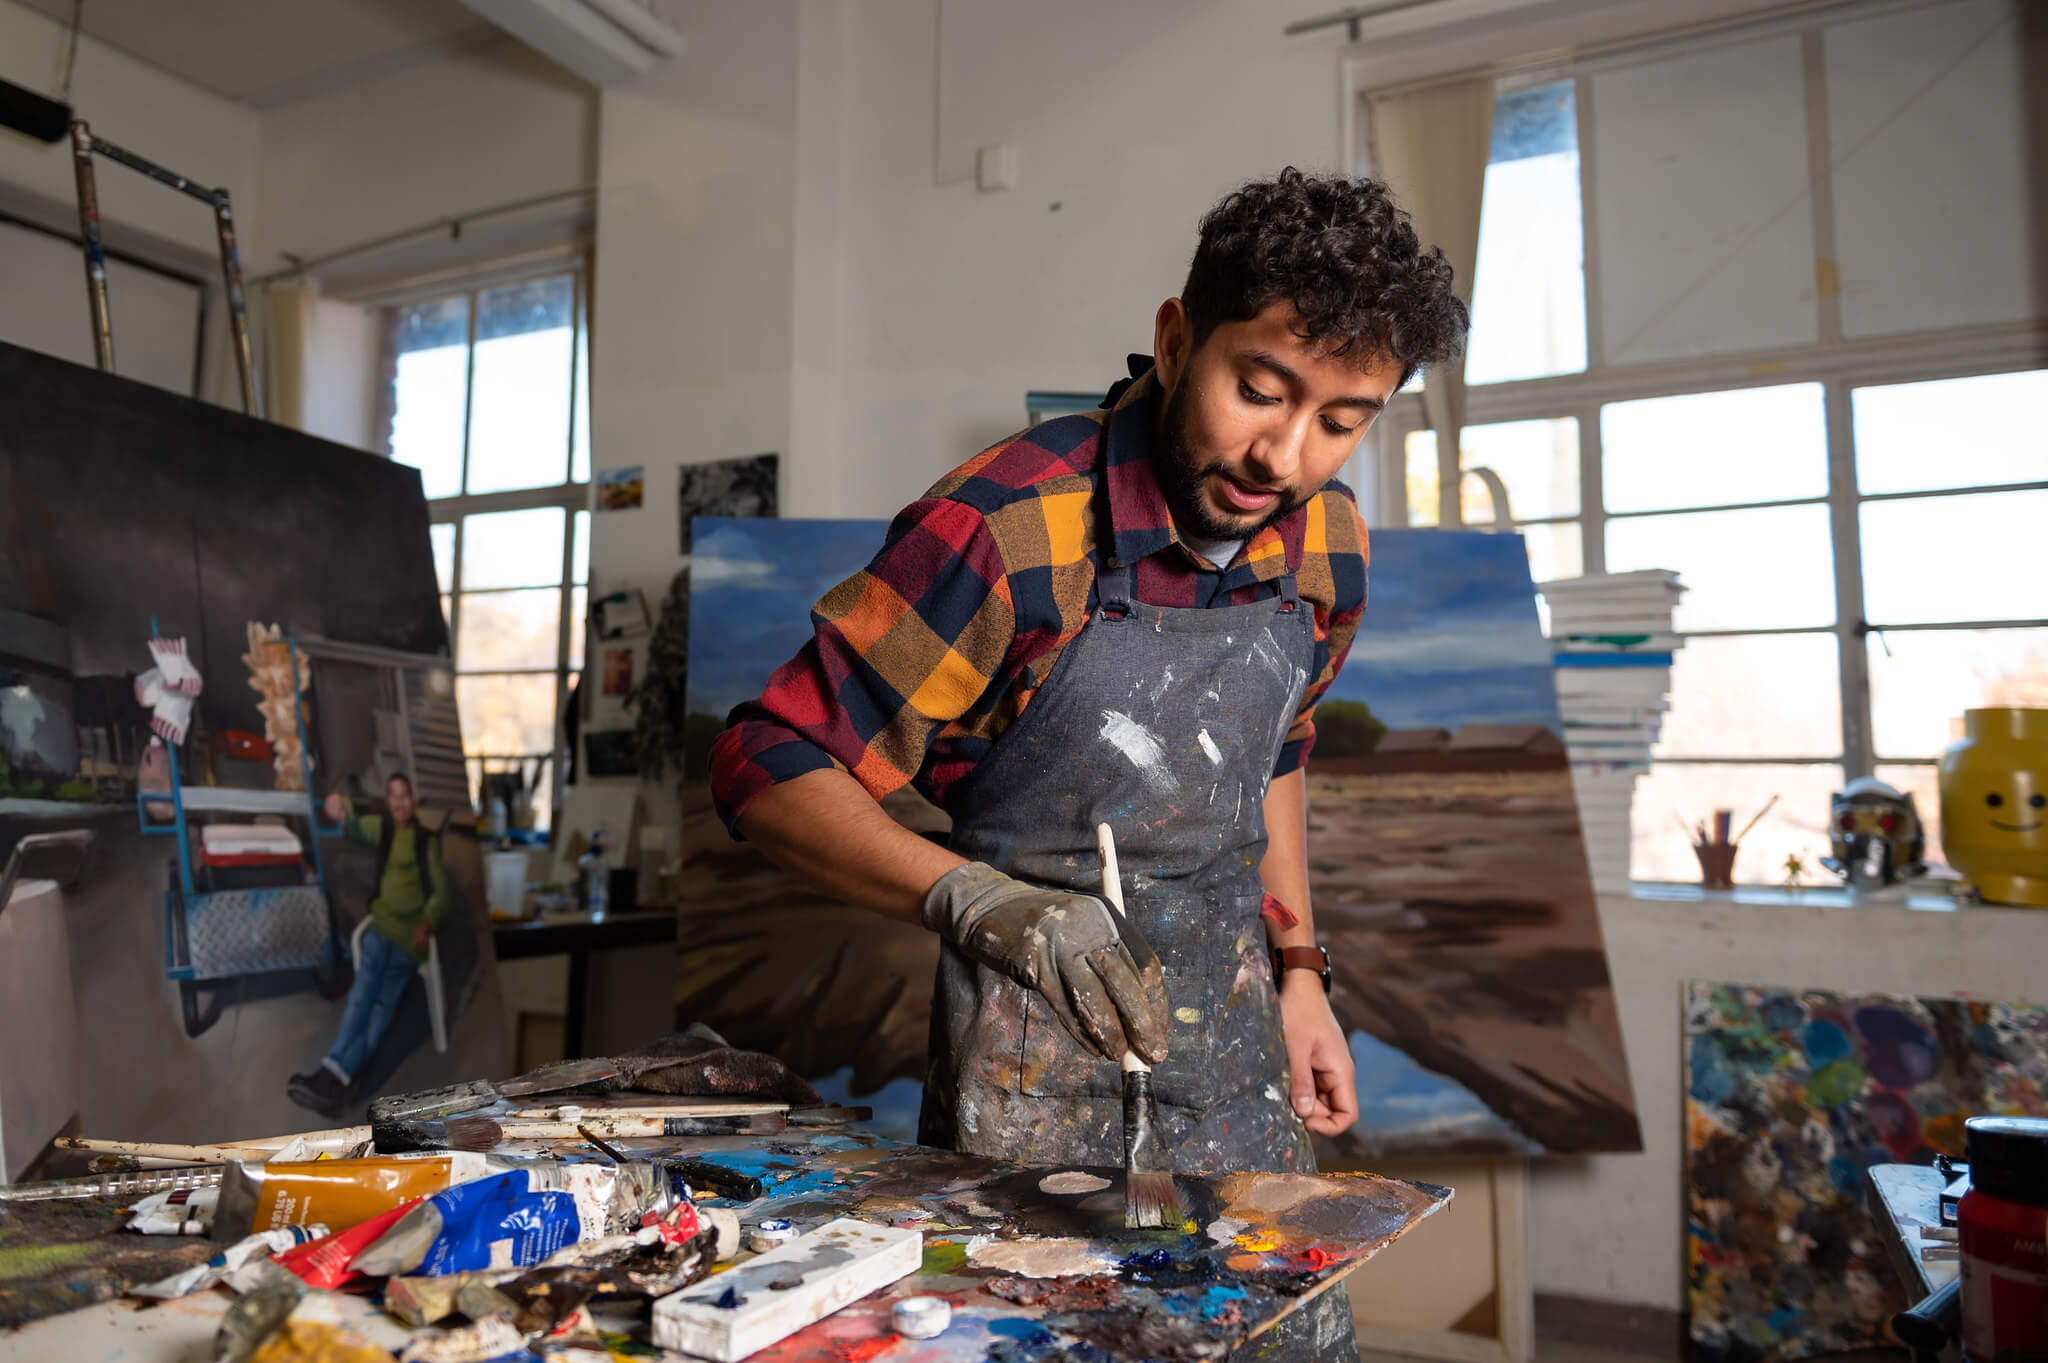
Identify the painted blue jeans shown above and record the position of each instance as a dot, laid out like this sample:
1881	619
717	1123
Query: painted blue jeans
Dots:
372	999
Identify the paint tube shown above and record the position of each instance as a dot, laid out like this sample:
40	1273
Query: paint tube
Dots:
479	1343
611	1199
330	1262
240	1265
494	1222
182	1211
322	1327
340	1193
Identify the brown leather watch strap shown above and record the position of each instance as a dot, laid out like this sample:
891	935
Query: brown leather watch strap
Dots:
1302	958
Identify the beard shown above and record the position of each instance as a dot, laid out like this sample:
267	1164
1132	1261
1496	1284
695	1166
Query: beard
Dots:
1184	481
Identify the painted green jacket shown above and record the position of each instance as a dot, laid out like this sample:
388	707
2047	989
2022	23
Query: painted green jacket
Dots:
399	907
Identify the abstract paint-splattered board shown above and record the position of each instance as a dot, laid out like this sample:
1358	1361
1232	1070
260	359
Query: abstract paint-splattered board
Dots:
1037	1263
1791	1095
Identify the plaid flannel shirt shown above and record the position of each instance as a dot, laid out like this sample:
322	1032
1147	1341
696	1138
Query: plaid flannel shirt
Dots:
921	660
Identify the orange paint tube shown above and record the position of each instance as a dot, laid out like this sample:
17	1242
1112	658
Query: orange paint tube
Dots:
335	1193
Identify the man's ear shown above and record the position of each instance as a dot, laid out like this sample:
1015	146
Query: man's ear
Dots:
1173	340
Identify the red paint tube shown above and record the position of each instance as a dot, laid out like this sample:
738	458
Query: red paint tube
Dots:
2002	1231
330	1263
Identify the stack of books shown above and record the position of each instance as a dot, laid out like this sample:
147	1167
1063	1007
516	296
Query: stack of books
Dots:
1612	638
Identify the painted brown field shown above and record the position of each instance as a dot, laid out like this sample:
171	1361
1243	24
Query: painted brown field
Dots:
1460	916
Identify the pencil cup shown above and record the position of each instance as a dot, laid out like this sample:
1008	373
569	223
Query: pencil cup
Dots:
1717	864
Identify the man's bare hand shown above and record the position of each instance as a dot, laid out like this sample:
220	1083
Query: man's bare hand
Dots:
1319	1065
333	808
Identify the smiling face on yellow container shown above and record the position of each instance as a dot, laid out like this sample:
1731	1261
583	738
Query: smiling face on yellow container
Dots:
1994	805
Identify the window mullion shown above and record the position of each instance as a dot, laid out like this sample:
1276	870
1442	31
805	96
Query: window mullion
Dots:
468	387
1592	495
1589	255
455	601
1858	755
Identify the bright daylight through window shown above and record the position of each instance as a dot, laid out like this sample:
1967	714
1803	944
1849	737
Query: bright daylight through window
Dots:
488	396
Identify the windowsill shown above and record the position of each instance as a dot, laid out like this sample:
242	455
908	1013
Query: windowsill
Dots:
1925	896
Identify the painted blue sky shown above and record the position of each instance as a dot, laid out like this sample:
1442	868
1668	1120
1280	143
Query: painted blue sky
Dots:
752	585
1450	635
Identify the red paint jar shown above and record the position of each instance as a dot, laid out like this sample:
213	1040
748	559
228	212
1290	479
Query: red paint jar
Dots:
2002	1231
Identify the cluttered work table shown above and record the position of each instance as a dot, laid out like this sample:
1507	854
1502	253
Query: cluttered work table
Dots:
600	1223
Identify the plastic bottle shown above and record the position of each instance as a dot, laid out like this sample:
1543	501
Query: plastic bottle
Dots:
2003	1232
597	875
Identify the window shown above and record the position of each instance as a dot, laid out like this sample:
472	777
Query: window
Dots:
488	397
1850	484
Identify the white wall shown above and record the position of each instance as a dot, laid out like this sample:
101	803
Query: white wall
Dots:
155	114
209	139
469	130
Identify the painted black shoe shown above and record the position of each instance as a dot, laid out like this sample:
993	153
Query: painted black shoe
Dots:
320	1091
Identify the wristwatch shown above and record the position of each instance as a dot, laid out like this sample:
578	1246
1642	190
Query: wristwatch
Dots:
1302	958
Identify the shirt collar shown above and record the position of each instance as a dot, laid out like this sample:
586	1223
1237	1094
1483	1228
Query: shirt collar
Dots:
1140	522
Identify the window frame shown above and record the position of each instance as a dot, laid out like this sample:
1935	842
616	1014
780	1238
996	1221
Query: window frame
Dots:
571	496
1838	364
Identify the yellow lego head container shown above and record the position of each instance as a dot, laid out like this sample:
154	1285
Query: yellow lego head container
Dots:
1994	805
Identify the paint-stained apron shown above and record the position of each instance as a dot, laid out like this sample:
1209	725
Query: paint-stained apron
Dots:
1164	723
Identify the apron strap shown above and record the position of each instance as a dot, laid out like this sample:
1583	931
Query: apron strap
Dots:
1116	598
1113	588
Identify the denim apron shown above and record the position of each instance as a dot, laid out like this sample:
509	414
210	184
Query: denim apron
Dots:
1165	724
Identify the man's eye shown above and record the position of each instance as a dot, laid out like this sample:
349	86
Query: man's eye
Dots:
1337	427
1251	394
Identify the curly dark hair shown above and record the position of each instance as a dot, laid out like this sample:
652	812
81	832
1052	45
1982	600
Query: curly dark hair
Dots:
1344	253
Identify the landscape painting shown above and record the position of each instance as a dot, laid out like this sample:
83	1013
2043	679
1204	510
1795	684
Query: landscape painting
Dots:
1791	1096
1444	846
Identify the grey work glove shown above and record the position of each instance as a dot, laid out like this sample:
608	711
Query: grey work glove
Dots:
1094	971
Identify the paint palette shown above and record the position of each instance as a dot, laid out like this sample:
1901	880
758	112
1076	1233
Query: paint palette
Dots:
1036	1262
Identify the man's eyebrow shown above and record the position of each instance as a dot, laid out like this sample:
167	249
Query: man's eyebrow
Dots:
1266	359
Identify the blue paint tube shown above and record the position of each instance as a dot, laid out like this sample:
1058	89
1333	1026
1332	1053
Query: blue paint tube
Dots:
496	1222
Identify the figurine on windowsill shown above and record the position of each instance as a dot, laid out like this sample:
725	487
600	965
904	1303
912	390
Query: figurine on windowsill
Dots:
1795	873
1876	839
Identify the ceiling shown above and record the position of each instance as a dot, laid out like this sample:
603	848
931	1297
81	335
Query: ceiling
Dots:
269	52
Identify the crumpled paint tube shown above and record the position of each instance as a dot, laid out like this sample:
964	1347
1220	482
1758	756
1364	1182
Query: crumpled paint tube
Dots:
339	1193
478	1343
184	1211
330	1262
240	1265
495	1222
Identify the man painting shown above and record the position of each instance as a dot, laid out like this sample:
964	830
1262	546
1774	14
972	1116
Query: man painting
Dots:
1126	616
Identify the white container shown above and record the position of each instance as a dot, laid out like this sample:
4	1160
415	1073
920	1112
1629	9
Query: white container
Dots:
505	883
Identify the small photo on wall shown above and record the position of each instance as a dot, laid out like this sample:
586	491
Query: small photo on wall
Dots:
621	489
724	487
618	671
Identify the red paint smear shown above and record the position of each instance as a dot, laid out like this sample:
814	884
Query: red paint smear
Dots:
865	1349
1315	1259
1282	916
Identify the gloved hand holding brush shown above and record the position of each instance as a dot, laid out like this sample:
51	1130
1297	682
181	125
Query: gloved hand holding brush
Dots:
1098	976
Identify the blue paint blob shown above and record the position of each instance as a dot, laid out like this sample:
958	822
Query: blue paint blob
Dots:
1020	1329
729	1299
1711	1081
1782	1012
1825	1042
1846	1174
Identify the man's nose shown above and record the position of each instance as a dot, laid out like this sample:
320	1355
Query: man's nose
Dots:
1276	458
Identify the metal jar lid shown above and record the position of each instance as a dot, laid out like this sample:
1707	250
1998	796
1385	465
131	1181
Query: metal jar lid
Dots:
921	1317
2009	1157
773	1233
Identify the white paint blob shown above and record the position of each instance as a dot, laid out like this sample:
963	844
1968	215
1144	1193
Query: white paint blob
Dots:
1209	748
1142	747
1072	1181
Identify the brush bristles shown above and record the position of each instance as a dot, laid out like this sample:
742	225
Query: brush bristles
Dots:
1151	1198
456	1133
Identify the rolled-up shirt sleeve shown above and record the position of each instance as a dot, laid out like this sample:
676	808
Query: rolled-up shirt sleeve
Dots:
898	651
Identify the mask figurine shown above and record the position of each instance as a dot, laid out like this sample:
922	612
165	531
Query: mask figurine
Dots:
1875	836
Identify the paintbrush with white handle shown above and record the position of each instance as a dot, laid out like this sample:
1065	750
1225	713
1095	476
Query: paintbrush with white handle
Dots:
1150	1195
